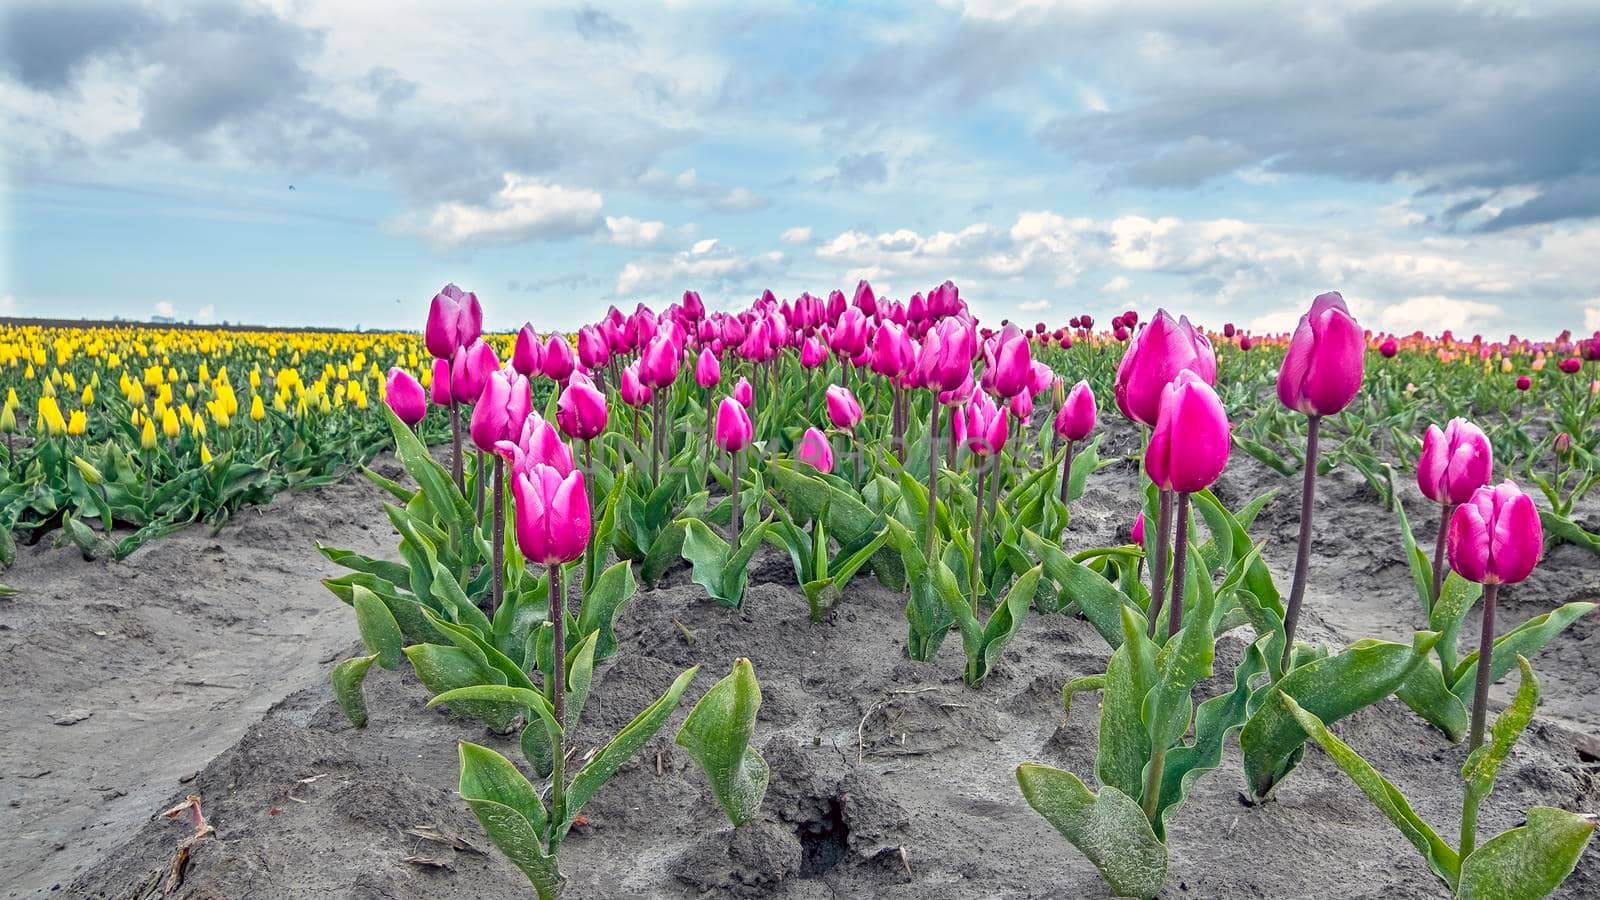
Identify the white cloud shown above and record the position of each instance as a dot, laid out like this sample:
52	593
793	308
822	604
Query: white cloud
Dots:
1033	306
165	308
797	235
626	231
688	185
1434	313
206	313
708	263
1117	285
8	304
524	209
1591	317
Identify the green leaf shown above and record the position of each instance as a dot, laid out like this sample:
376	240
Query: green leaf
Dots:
1527	862
1080	685
392	572
486	775
621	748
1100	601
1213	722
379	631
1124	747
347	678
443	669
1330	689
1417	560
579	666
1439	856
717	734
1002	626
823	593
447	592
1455	599
667	548
482	651
598	612
1483	764
502	695
1108	828
928	613
1425	693
516	837
1524	640
708	555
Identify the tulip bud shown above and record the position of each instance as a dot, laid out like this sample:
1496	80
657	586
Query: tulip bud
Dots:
1322	370
812	353
734	430
470	370
843	410
1495	537
1189	447
1078	414
147	435
985	427
501	409
743	392
1389	348
1012	362
581	410
1570	365
559	361
707	369
552	513
405	397
440	385
1524	382
1563	444
593	350
1154	357
527	355
91	475
659	364
455	320
634	391
1137	535
1454	462
815	451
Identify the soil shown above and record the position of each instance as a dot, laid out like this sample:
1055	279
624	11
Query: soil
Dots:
209	654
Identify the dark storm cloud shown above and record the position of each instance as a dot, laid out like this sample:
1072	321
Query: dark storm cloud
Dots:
44	44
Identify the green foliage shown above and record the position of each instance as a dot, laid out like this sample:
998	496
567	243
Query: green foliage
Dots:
716	735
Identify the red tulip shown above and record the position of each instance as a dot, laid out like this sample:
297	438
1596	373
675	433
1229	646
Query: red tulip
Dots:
734	430
1154	357
1078	414
1524	382
581	409
501	409
1389	348
1570	365
1322	371
1189	447
1495	537
405	396
1455	462
552	511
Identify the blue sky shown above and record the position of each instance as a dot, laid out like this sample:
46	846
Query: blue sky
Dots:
1438	163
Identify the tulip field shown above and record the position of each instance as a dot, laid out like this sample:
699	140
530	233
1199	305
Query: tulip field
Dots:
856	595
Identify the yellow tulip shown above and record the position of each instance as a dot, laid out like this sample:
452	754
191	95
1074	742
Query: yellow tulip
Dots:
8	420
169	424
88	394
77	423
147	437
205	455
258	411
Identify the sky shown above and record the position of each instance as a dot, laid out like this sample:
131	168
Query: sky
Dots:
336	163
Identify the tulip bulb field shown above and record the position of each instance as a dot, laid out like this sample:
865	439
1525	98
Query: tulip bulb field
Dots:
829	595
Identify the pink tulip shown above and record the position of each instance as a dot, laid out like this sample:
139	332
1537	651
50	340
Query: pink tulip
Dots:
843	410
1138	530
1322	371
1455	462
552	511
501	409
405	396
1021	407
812	353
536	444
986	426
1524	382
527	355
815	451
865	300
442	395
743	392
891	350
946	357
734	430
1078	414
581	409
1153	360
1495	537
1570	365
559	361
470	370
707	369
593	349
1012	363
660	361
1189	447
693	308
455	320
1389	348
634	391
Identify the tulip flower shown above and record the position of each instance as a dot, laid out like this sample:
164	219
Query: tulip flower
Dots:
536	444
707	369
843	410
527	355
1073	423
553	527
812	353
634	391
1137	535
1524	382
1188	451
559	361
1389	348
500	410
1153	360
593	350
743	392
815	451
1321	374
440	384
455	320
581	409
1011	362
405	396
470	370
1454	463
734	433
1570	365
1495	539
660	361
986	429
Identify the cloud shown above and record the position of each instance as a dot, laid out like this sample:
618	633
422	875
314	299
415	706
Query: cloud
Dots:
626	231
8	305
800	234
1591	317
206	313
598	25
857	170
45	45
166	309
687	185
524	209
1435	313
708	265
1032	306
1117	285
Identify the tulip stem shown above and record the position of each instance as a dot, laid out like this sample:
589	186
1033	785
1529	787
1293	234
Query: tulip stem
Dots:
1302	558
478	481
1480	715
1152	782
1158	568
1180	564
558	701
457	470
977	536
933	467
588	485
1066	475
1439	564
655	440
733	493
499	547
